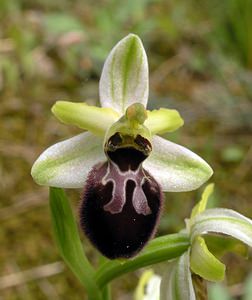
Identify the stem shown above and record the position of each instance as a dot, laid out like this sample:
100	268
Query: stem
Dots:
200	287
106	292
67	238
160	249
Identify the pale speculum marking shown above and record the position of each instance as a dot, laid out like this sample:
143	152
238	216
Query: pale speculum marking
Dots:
119	180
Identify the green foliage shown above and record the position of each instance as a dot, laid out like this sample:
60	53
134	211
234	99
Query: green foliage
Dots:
233	153
232	28
248	288
59	23
218	291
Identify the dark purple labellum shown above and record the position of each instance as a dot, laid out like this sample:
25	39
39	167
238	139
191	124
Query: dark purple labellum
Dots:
121	204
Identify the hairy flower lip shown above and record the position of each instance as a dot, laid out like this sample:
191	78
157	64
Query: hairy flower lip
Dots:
112	218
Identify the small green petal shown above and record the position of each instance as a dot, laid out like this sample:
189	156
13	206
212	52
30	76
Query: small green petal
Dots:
125	78
163	120
204	263
201	206
87	117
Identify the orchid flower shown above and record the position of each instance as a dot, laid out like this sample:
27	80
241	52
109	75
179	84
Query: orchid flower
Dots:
177	283
120	160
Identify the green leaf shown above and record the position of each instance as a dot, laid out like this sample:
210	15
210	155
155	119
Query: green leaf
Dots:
67	238
163	120
177	283
125	77
87	117
223	221
158	250
175	167
204	263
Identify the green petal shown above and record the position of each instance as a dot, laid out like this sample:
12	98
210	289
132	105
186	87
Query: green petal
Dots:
204	263
124	78
177	283
87	117
163	120
176	168
201	206
67	164
223	221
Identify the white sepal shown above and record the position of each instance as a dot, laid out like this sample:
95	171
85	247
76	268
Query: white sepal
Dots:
67	164
176	168
125	77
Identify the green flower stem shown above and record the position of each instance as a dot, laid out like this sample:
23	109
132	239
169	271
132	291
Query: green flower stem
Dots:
67	238
106	292
160	249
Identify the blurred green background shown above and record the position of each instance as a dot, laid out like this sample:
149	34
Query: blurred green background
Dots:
200	59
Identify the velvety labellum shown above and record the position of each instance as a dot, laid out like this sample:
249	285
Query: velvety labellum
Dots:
121	204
